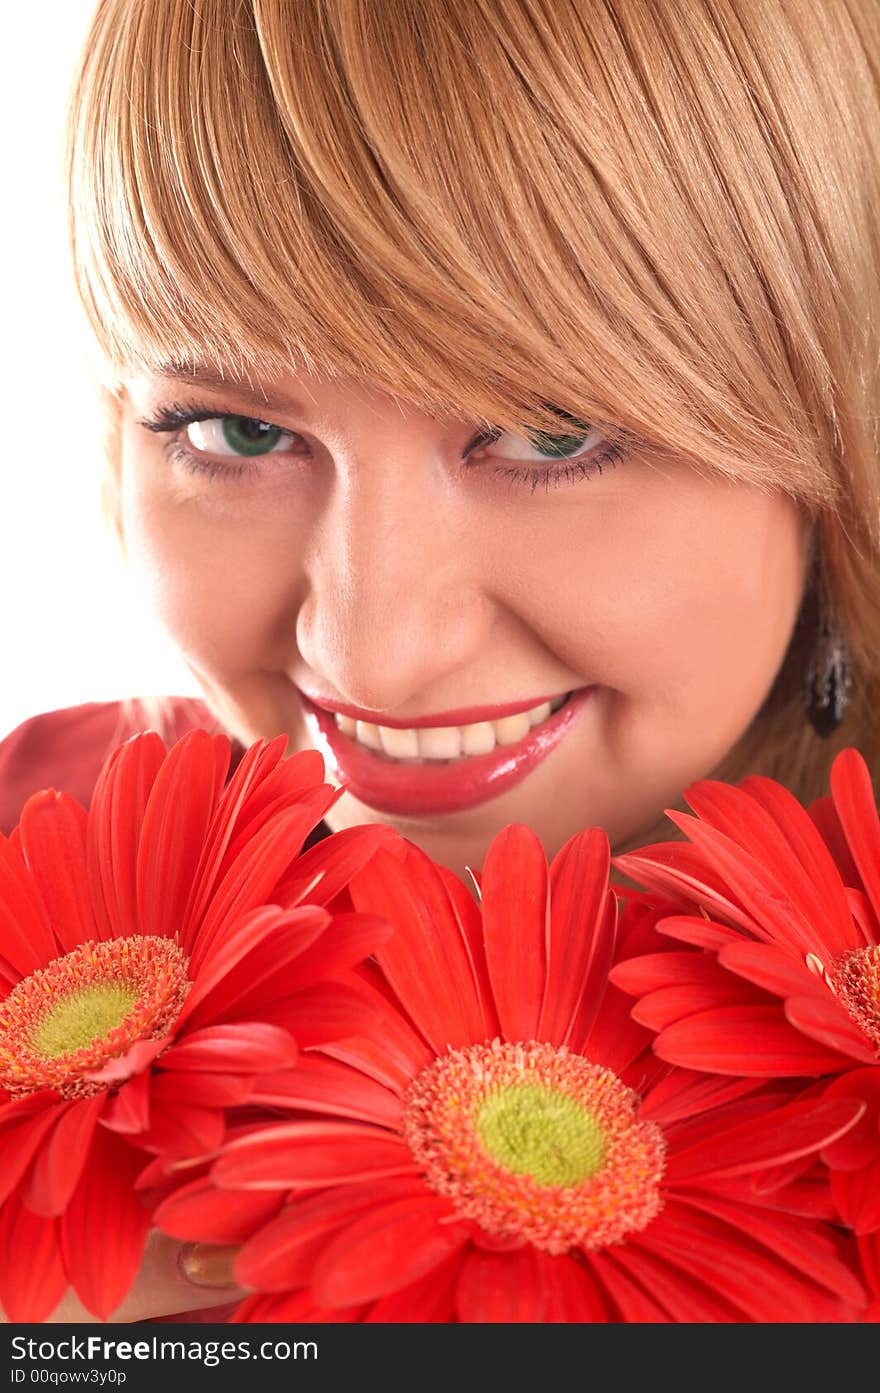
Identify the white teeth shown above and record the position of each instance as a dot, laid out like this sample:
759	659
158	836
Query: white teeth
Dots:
539	714
367	734
512	728
440	742
399	744
447	742
478	739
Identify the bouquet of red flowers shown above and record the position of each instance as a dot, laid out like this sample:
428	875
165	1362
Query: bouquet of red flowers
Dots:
158	953
543	1097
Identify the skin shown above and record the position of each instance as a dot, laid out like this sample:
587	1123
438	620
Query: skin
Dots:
365	563
362	561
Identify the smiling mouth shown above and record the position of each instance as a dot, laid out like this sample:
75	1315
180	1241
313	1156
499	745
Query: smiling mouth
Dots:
441	745
457	767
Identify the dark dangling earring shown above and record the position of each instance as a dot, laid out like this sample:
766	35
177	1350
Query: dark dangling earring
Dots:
829	675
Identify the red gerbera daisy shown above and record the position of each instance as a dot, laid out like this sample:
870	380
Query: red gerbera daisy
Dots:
503	1146
787	981
146	980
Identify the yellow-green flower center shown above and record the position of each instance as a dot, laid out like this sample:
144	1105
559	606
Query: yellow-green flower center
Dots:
65	1022
82	1017
534	1130
536	1144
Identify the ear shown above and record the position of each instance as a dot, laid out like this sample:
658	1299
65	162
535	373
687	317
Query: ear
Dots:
110	404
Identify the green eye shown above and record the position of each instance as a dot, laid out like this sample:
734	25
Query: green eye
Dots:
560	446
247	436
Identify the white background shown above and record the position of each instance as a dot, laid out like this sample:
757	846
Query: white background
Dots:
74	630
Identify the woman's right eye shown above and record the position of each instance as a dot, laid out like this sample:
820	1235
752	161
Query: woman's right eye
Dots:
236	436
219	445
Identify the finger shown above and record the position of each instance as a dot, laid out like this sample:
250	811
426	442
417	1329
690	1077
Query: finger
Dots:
172	1278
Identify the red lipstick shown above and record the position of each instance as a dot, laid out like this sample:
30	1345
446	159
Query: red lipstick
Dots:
424	787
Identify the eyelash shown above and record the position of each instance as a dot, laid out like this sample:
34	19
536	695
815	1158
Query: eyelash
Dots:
176	418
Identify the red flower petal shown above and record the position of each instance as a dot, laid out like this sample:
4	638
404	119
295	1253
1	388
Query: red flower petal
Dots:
861	1145
23	1125
823	815
571	1292
176	817
296	1307
774	969
53	828
179	1128
501	1288
333	862
771	914
740	1271
352	938
583	934
129	1109
796	1130
857	1196
283	1253
391	1053
26	938
386	1249
251	1047
302	1155
825	1020
516	925
683	873
813	1250
200	1211
680	1296
32	1276
427	946
659	1010
231	953
470	921
204	1090
104	1227
126	1066
615	1039
702	933
116	816
629	1298
62	1157
330	1012
268	971
325	1085
651	971
255	872
853	795
265	782
752	1040
429	1299
243	798
682	1093
767	820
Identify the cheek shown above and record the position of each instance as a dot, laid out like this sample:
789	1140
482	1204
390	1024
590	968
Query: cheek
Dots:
225	588
681	586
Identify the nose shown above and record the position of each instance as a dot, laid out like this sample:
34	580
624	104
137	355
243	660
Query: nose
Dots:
396	617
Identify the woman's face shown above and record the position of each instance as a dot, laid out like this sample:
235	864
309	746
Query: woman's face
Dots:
367	559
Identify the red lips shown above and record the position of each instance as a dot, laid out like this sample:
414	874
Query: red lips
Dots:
431	786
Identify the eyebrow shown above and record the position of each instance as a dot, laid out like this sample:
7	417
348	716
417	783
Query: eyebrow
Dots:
202	375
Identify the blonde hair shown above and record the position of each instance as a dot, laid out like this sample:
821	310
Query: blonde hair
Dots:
661	218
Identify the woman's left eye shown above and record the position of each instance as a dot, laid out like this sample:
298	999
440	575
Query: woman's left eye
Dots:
578	452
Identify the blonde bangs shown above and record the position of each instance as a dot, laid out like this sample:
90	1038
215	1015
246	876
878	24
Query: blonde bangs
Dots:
642	215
